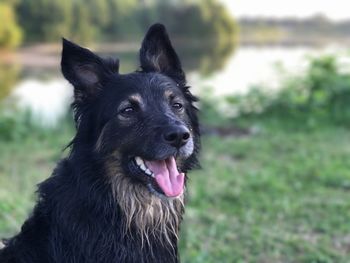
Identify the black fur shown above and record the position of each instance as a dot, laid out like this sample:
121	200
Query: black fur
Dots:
77	217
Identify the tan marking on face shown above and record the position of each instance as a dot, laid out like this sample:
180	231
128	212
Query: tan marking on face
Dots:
136	98
133	98
168	94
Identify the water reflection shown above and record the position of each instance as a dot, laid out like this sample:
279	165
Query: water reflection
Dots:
251	66
48	101
42	89
206	58
38	86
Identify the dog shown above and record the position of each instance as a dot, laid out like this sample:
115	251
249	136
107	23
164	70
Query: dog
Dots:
119	194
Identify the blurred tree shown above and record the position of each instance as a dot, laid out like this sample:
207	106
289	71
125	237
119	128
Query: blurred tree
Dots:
117	19
89	17
99	11
202	27
45	20
10	33
203	30
124	22
83	29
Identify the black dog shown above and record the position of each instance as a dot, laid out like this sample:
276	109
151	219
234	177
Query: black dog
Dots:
118	196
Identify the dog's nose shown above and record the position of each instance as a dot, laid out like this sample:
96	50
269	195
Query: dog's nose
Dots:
176	136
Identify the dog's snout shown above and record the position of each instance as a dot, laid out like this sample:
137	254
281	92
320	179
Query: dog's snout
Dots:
176	136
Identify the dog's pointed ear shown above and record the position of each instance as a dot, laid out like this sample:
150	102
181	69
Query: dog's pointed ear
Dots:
158	55
83	69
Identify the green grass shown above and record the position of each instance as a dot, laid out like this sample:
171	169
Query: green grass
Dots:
26	160
280	195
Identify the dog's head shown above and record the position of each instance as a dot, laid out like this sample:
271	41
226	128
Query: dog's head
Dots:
145	120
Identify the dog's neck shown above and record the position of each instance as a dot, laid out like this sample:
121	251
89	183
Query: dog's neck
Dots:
147	215
127	215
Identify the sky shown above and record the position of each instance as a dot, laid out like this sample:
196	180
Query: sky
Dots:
333	9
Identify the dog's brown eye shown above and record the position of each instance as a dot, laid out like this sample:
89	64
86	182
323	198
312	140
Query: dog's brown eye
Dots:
177	106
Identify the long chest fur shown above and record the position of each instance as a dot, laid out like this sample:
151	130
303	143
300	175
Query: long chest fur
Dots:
83	221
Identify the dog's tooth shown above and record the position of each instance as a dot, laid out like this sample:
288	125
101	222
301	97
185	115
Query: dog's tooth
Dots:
139	161
143	166
148	171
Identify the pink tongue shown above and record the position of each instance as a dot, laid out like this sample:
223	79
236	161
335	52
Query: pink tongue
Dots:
169	179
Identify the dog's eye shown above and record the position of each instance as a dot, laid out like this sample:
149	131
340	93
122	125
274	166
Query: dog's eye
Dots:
177	106
127	110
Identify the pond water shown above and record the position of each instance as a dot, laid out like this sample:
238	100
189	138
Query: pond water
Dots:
40	87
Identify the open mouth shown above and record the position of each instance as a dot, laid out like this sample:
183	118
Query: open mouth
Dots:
163	173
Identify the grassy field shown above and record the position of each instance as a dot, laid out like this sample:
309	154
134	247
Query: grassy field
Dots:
277	195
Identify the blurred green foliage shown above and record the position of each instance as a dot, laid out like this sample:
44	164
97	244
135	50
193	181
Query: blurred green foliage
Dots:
84	20
44	19
18	124
28	155
274	196
322	93
8	77
10	32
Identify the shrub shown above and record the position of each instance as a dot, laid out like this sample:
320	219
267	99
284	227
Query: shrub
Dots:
10	33
322	93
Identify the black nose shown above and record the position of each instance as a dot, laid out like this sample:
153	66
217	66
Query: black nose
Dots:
176	136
